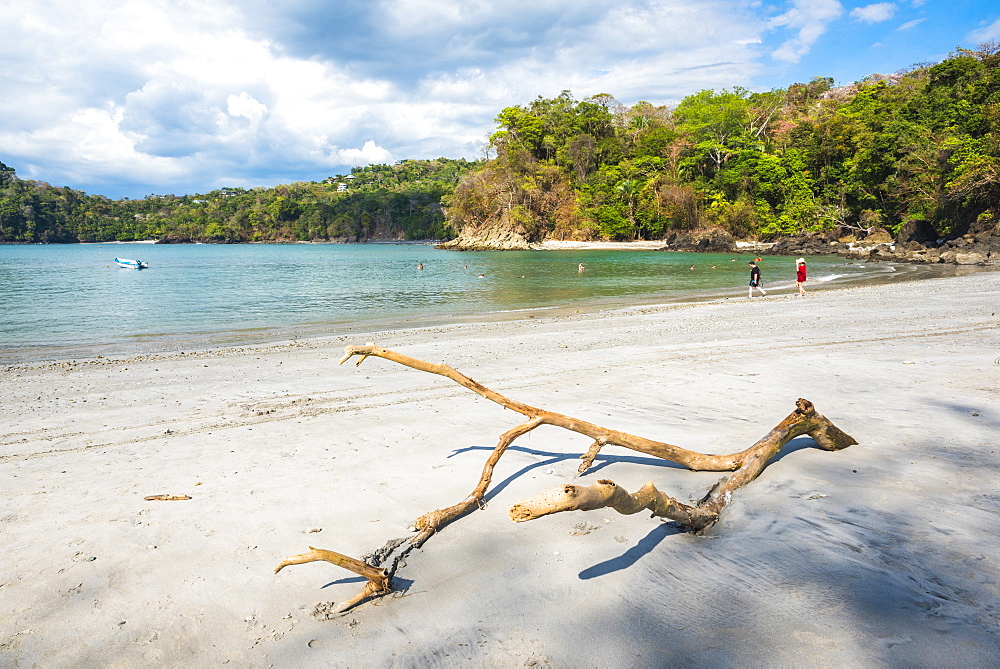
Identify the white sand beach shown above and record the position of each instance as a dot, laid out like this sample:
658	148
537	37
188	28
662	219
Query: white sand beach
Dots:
883	554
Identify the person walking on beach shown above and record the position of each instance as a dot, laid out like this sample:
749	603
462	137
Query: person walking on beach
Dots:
800	275
755	281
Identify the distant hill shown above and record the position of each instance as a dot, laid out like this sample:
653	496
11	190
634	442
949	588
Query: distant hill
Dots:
378	202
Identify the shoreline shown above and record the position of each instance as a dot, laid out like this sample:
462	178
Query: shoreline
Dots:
161	335
155	345
874	555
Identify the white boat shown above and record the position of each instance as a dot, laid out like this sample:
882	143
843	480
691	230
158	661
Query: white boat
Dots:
125	263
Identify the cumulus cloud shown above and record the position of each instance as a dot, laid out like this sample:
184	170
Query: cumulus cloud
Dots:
244	106
368	154
182	94
876	13
809	19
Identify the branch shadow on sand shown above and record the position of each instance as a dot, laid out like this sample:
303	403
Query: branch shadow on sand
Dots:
399	584
600	462
797	444
633	554
346	580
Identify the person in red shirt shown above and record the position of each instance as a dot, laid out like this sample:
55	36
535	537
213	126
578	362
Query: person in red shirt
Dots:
800	275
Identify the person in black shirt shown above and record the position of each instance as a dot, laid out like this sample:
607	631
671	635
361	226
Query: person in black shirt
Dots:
755	281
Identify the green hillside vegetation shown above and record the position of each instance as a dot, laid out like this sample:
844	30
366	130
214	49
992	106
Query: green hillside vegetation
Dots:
392	202
916	145
922	144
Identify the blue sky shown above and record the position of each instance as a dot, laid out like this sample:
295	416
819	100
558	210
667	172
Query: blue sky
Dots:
131	97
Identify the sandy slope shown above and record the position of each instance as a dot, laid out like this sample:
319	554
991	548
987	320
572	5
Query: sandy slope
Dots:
880	555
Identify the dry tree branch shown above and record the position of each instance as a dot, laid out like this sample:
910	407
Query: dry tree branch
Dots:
431	522
378	583
804	420
690	459
745	465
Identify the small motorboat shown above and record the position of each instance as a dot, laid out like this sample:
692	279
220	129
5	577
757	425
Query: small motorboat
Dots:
125	263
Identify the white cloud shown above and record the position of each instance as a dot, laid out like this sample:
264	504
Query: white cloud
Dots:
243	105
161	91
368	154
175	93
810	18
986	34
876	13
89	146
911	24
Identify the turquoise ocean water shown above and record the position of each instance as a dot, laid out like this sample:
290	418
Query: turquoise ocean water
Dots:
71	301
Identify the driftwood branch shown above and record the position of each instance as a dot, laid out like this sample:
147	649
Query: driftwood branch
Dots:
690	459
804	420
378	582
746	466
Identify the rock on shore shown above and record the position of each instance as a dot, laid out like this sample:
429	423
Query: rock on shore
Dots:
488	238
916	242
703	240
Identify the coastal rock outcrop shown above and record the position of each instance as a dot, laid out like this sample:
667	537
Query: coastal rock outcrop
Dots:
879	236
917	230
808	244
705	240
488	238
915	244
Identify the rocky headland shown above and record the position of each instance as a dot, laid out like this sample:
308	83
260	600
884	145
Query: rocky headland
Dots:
916	242
497	237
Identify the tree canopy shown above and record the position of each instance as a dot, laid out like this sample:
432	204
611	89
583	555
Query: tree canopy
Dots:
922	144
401	201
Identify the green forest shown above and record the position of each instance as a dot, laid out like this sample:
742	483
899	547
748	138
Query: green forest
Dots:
395	202
919	144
